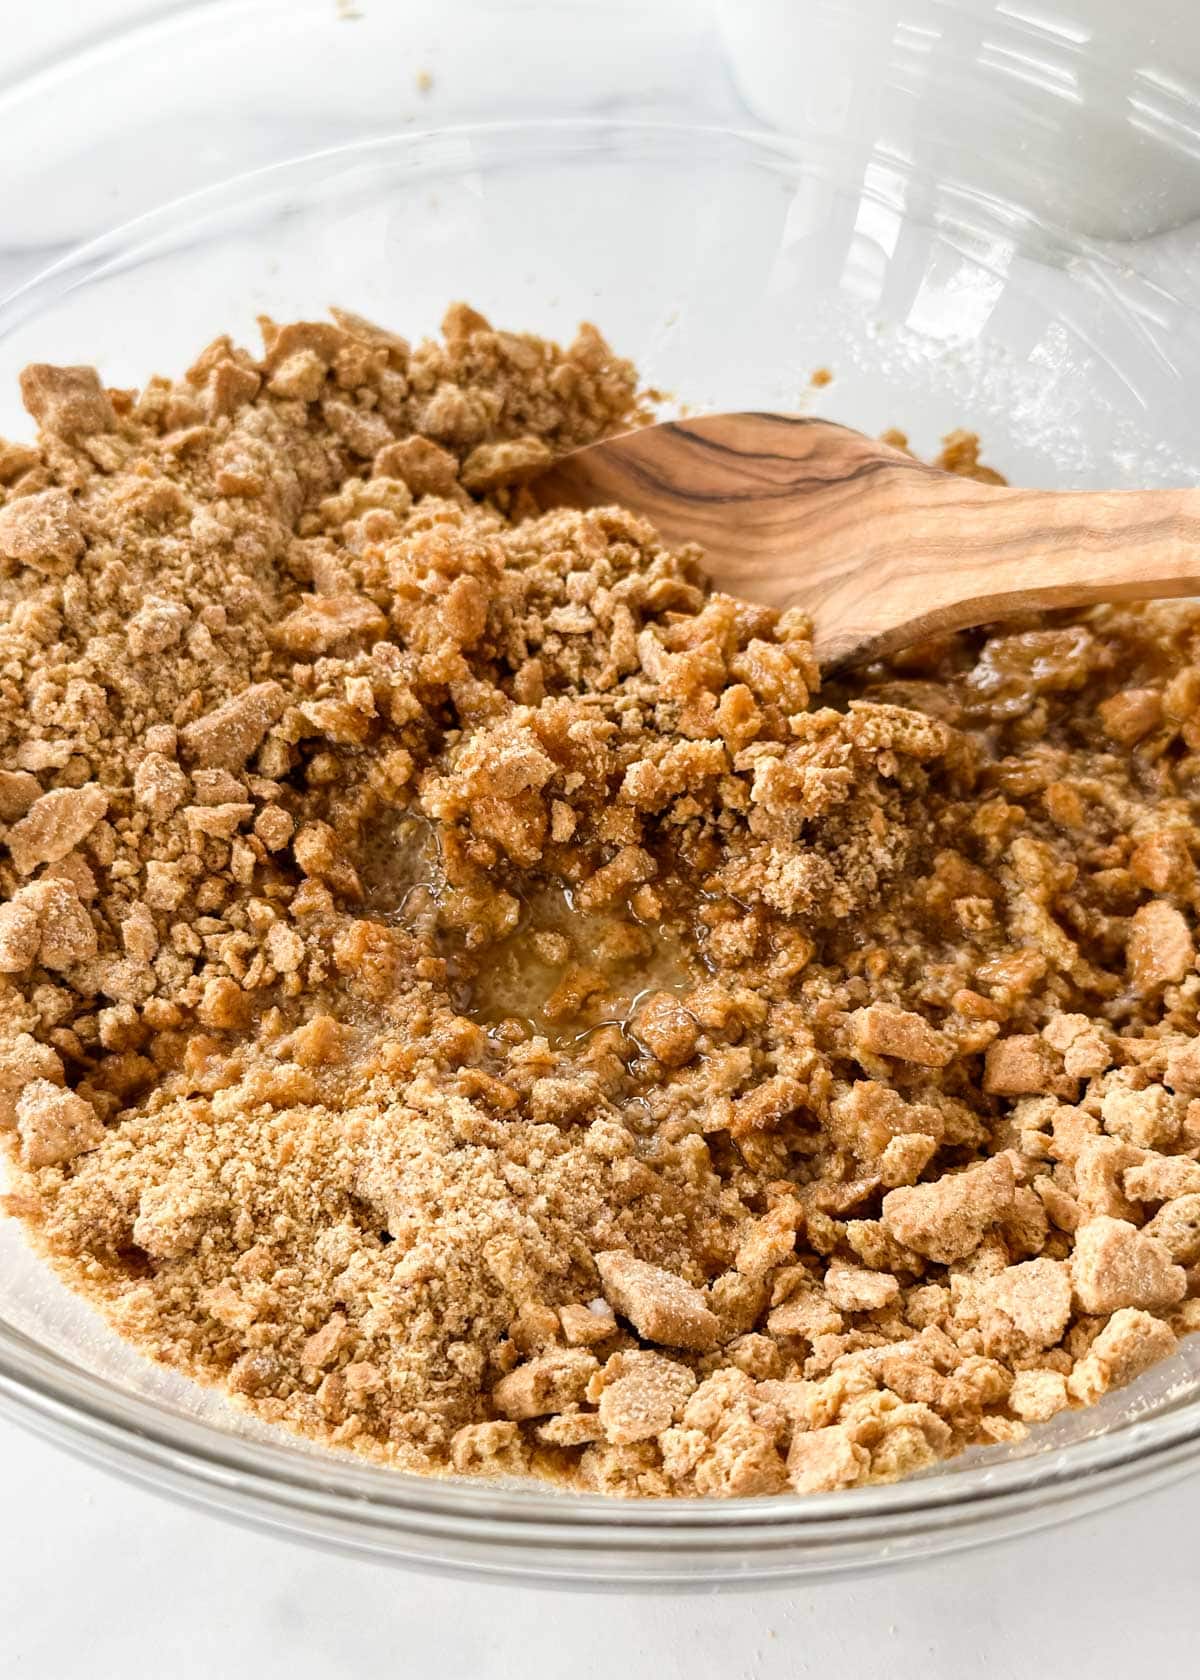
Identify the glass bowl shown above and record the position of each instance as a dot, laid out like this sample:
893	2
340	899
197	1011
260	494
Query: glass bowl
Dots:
730	265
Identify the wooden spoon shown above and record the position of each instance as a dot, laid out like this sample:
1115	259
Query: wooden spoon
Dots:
879	549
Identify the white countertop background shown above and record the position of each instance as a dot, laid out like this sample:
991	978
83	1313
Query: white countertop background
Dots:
100	1580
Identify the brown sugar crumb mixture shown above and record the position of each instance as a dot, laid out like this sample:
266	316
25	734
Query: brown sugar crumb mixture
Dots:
465	993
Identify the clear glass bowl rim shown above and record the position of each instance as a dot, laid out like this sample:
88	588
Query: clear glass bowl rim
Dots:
331	1496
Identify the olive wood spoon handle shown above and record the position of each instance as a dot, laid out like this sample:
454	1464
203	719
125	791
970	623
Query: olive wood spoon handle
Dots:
881	550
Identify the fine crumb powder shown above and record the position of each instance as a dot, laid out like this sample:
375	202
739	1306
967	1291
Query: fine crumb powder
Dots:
465	994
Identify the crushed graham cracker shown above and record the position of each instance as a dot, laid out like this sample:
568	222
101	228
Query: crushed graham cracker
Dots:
466	995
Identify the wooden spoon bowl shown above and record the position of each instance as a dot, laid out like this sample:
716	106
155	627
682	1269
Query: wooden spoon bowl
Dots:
880	549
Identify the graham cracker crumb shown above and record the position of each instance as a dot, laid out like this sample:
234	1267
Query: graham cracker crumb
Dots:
640	1395
54	1125
473	993
1128	1344
1115	1265
661	1307
820	1460
949	1218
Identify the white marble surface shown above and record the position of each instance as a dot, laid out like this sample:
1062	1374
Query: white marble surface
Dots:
99	1579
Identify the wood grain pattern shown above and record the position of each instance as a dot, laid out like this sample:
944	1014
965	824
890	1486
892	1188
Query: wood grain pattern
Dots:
880	549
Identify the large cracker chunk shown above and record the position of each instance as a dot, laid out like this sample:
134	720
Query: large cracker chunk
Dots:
42	531
225	737
947	1220
548	1383
1035	1297
1115	1265
1160	950
661	1306
640	1395
54	1125
820	1460
882	1030
55	824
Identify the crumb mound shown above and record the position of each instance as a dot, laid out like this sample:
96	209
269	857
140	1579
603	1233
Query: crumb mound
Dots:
470	993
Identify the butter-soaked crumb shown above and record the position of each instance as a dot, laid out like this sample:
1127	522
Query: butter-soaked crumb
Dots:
474	994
